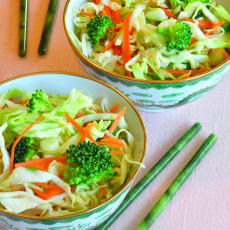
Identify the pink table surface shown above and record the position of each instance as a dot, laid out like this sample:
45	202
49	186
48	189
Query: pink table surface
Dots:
204	201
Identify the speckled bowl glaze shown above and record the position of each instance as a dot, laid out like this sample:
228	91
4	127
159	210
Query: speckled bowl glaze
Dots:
62	83
148	96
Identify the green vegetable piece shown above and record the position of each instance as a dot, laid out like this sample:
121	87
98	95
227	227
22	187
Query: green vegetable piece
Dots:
23	27
152	174
222	13
183	3
226	27
177	183
89	163
178	35
39	102
97	28
25	150
156	15
50	17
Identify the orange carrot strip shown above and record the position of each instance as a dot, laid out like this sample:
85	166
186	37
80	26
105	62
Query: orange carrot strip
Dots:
126	52
107	11
216	26
103	191
41	164
193	41
85	132
109	46
88	129
87	14
111	142
187	20
50	190
117	120
97	2
116	17
78	115
24	102
115	152
167	12
18	139
204	24
115	108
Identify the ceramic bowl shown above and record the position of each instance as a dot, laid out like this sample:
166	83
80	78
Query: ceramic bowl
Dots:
149	96
62	83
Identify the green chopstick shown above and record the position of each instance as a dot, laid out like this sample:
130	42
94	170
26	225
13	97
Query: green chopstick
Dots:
177	183
152	174
51	13
23	23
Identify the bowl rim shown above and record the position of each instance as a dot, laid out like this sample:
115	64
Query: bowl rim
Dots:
123	187
123	77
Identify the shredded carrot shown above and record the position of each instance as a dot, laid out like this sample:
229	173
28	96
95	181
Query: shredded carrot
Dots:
49	190
111	142
167	12
87	14
117	120
97	2
85	132
126	52
204	24
193	41
78	115
24	102
107	11
18	139
187	20
115	152
116	17
115	108
41	164
215	27
103	191
117	50
109	46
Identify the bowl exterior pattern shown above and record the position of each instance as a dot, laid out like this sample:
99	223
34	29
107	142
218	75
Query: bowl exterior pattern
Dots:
82	222
161	97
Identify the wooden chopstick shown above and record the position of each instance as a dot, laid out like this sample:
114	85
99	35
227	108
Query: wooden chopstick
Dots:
177	183
152	174
23	24
50	17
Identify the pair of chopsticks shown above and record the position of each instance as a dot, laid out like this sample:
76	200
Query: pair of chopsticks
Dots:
156	170
23	25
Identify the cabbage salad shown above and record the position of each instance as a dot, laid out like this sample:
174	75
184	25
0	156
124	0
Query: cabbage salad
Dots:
154	39
61	153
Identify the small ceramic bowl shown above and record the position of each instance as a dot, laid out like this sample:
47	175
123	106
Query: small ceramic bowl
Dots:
149	96
62	83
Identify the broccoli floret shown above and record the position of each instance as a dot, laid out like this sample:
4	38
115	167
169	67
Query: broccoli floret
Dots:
39	102
25	150
97	28
89	163
178	35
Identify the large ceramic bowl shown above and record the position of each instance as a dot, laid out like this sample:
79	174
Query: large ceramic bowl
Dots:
61	83
147	95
